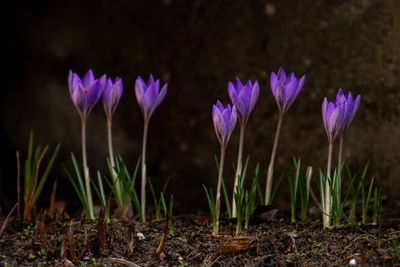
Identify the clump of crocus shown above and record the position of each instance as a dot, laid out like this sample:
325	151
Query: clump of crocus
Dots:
333	116
351	106
285	90
85	93
111	96
243	97
224	120
149	97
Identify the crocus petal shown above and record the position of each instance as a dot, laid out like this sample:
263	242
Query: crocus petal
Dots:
88	79
219	124
281	75
139	89
280	96
324	110
233	119
254	95
245	96
300	84
93	94
238	85
148	100
334	124
354	110
220	106
231	90
79	99
241	107
112	95
161	96
150	81
290	93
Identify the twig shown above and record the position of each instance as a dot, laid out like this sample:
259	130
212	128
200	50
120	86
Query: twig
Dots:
42	230
70	234
3	226
131	233
85	247
37	173
122	261
207	261
292	243
101	228
162	240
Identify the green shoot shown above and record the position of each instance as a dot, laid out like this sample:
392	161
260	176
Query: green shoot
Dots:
293	187
244	199
396	248
101	195
33	184
157	203
224	191
365	197
251	197
211	206
377	204
128	184
226	198
275	189
79	185
171	204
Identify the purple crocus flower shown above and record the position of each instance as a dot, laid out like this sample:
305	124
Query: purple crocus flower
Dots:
224	122
111	95
244	97
285	88
149	95
85	92
333	116
350	104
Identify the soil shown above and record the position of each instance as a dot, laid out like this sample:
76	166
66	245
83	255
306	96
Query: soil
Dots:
271	242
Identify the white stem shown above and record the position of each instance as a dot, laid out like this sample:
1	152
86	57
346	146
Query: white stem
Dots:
86	170
270	174
238	168
112	161
144	177
327	211
218	193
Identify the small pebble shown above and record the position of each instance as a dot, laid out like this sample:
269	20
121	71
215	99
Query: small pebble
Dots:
140	236
353	262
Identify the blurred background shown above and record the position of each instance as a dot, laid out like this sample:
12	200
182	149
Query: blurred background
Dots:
197	47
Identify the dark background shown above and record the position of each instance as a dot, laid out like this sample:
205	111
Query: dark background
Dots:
197	47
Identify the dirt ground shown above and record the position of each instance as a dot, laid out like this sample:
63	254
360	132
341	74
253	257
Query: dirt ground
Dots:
271	242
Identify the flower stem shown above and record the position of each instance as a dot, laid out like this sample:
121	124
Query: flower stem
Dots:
86	170
112	161
218	193
327	211
143	189
339	174
239	167
268	186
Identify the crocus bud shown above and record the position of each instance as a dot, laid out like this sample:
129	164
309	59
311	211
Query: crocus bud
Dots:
85	92
224	122
244	97
285	89
149	95
111	95
333	116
